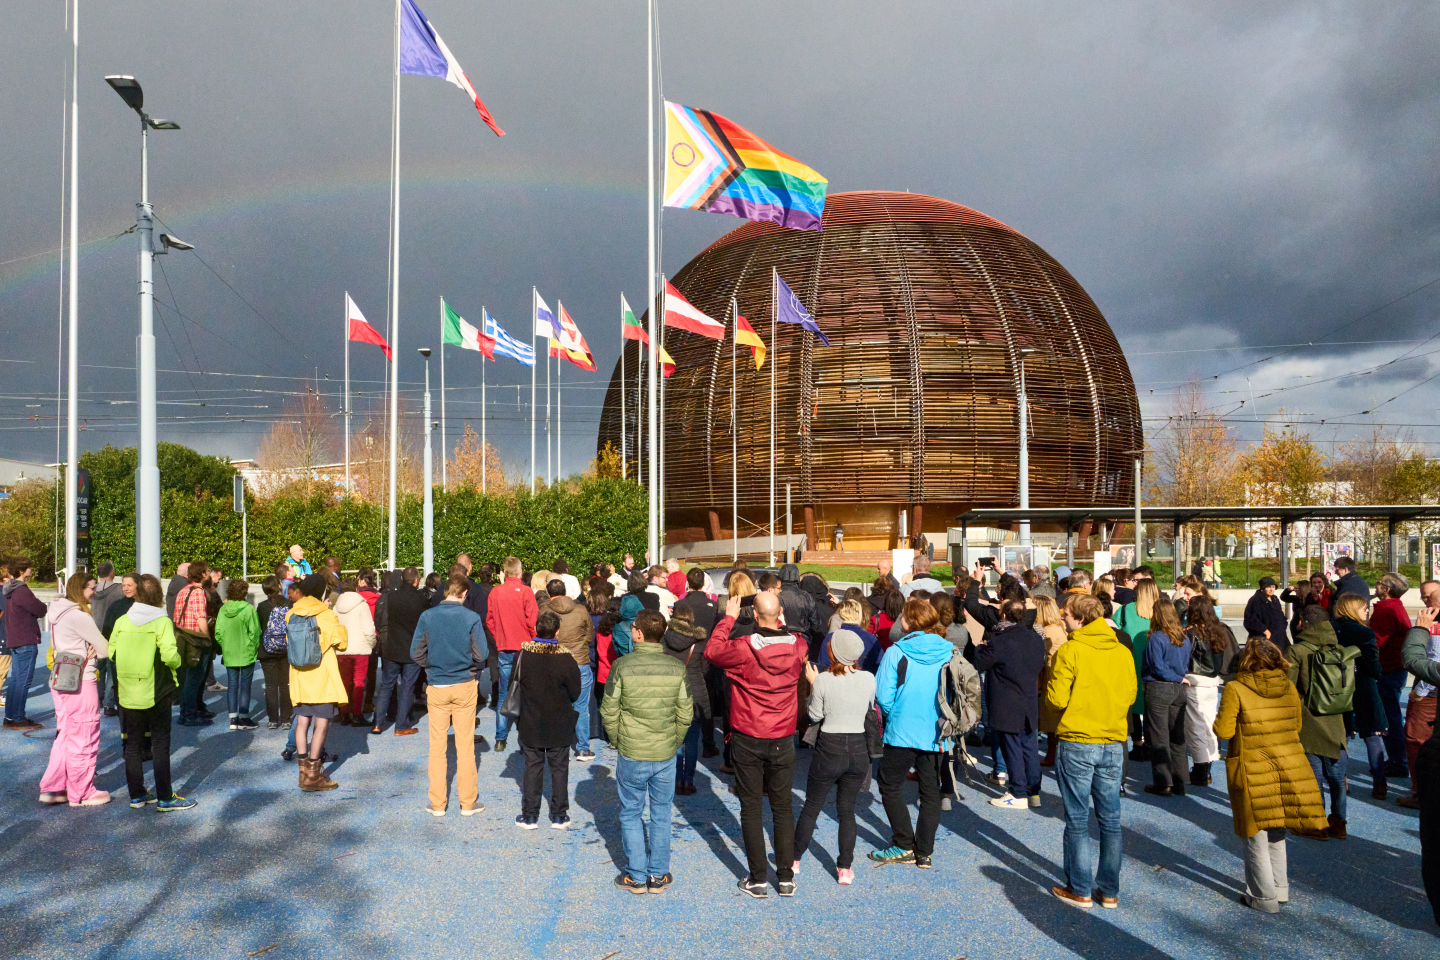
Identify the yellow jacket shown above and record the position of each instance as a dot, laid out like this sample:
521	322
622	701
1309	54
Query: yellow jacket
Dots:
1093	682
320	684
1270	781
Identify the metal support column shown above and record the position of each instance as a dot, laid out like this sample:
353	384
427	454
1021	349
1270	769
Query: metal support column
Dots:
1394	546
1284	577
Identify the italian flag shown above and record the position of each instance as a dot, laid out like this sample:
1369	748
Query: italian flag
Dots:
458	333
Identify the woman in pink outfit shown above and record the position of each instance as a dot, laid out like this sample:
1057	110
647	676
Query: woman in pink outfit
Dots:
70	777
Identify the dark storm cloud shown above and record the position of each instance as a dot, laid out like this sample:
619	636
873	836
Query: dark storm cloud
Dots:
1217	176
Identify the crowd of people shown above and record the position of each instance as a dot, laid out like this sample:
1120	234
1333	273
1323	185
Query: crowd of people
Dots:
895	684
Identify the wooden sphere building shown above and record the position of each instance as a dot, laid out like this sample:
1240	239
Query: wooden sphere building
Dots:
928	306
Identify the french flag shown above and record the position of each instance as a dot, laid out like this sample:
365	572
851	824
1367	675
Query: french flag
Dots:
422	52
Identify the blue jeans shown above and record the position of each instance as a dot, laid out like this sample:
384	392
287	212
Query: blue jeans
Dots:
192	691
636	781
507	663
1091	771
1331	773
690	753
582	710
407	674
22	672
1392	684
105	676
237	690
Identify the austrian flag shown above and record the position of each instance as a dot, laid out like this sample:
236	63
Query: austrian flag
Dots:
422	52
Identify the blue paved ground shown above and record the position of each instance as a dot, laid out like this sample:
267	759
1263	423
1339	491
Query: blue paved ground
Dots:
364	872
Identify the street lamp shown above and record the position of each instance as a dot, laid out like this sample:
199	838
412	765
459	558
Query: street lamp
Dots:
1024	406
429	561
147	472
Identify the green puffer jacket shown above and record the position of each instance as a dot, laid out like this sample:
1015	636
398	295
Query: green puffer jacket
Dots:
647	707
142	646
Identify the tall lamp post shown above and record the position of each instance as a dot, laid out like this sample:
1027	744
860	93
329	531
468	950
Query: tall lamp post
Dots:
429	561
147	473
1024	407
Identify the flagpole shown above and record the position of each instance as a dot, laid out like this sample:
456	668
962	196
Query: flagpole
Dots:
347	393
534	312
394	290
484	449
734	440
660	476
774	353
623	469
72	402
652	426
559	410
549	431
444	481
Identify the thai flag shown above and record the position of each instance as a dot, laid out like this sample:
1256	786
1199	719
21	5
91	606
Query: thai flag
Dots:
422	52
506	345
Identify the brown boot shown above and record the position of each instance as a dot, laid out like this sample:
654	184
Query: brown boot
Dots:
1337	829
305	777
313	778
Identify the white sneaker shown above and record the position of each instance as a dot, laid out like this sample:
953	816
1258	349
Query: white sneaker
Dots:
945	803
1011	803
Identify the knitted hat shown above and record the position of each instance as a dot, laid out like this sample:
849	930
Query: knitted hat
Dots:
846	647
1266	582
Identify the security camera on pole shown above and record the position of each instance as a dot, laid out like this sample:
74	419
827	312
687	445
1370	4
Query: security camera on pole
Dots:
147	473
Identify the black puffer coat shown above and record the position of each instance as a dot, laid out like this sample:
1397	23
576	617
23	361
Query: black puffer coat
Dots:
686	642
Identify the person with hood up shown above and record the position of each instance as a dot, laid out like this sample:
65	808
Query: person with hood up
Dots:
764	669
1271	790
1093	683
575	635
1012	656
1265	617
1323	737
800	611
237	632
907	688
146	658
23	612
550	686
685	641
840	700
70	775
630	606
107	592
317	692
353	610
1369	720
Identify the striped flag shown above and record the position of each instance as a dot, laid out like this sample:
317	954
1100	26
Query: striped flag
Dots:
506	345
459	333
422	52
667	363
630	328
359	328
745	335
545	323
682	314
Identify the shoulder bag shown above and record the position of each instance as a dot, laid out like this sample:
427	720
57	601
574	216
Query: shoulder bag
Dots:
510	706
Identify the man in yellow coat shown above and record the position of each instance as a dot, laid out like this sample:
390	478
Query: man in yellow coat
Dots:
316	691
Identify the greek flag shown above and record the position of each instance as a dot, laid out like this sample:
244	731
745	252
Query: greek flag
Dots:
506	345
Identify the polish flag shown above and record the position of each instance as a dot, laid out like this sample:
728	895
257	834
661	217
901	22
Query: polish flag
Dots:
360	329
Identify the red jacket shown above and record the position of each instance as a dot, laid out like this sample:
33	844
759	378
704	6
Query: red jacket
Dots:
510	614
764	670
1390	623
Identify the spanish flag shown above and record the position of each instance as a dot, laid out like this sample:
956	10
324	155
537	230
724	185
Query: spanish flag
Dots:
746	335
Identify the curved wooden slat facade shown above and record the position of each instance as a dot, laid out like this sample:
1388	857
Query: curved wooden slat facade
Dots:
927	304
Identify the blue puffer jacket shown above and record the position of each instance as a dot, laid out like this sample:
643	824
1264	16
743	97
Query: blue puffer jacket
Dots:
912	718
630	607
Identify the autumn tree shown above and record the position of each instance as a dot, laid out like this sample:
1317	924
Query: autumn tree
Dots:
1195	459
1286	469
605	464
304	439
477	465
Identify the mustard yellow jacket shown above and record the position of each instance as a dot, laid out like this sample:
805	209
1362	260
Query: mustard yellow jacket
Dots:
320	684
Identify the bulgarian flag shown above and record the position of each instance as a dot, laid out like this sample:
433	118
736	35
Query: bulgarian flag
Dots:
359	328
458	333
630	328
422	52
746	335
681	313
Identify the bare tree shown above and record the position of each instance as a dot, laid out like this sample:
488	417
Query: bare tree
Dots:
1196	459
305	438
